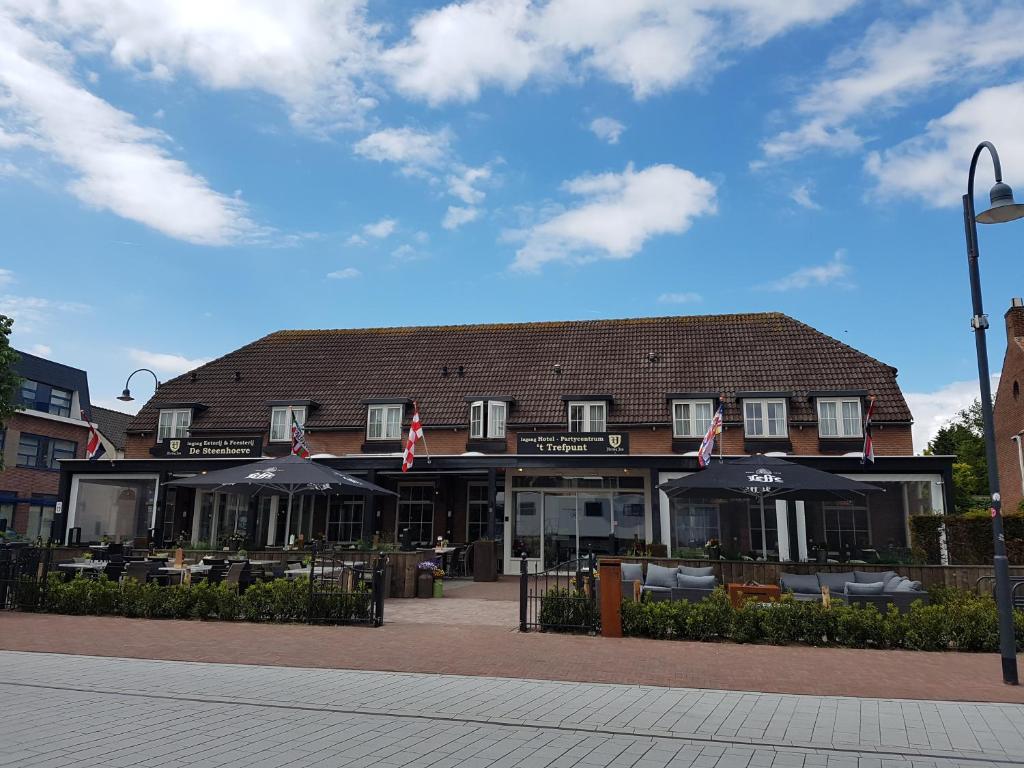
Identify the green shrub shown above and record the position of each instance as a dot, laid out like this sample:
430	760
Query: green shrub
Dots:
748	623
710	618
859	626
568	609
927	628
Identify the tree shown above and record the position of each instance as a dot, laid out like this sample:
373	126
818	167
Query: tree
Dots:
964	437
9	380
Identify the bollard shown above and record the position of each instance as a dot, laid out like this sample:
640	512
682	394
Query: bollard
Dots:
611	597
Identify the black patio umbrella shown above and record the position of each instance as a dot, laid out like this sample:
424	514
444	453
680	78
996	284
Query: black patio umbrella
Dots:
763	477
289	474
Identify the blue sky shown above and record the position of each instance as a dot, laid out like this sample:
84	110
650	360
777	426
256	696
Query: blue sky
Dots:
178	178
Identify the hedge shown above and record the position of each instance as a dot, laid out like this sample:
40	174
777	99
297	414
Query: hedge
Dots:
968	537
954	621
280	600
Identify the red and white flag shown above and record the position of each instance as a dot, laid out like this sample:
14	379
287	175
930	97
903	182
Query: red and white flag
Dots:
298	438
869	446
415	433
94	446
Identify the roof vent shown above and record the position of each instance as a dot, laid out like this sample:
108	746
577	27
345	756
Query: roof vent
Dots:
238	375
444	370
652	357
193	376
461	371
558	369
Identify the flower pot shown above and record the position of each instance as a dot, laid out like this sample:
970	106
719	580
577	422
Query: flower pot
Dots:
424	584
438	588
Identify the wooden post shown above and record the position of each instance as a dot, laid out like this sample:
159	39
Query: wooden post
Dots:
611	597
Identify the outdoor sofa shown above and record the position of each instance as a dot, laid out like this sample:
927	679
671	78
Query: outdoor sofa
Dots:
880	589
663	583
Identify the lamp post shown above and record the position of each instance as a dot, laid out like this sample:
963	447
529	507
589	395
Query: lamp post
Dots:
126	395
1003	209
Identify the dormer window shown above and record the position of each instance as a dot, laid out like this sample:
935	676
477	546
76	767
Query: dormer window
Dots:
764	417
691	418
839	417
384	422
587	416
174	422
281	421
487	419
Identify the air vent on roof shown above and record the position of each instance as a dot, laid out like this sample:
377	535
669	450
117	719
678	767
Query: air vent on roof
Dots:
194	376
557	369
652	357
461	371
238	375
444	370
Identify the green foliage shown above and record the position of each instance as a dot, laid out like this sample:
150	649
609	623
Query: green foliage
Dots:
925	540
968	537
956	621
567	609
963	437
10	381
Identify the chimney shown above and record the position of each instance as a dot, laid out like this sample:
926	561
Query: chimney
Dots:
1015	319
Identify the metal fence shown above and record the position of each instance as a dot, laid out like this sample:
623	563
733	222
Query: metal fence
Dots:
23	577
562	598
346	591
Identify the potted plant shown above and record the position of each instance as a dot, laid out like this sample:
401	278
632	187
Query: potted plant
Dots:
425	578
713	549
438	582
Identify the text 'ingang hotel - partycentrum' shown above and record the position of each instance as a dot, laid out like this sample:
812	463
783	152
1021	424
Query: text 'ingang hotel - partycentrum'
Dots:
549	437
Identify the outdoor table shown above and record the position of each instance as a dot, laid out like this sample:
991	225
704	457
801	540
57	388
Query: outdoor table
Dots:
446	556
92	565
322	570
763	593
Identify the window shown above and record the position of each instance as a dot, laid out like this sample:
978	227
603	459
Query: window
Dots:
691	418
771	526
40	517
174	423
384	422
839	418
587	417
281	422
45	398
694	522
41	452
846	525
487	419
764	418
476	511
416	512
345	519
7	501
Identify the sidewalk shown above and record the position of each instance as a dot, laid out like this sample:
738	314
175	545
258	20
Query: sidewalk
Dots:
79	705
495	651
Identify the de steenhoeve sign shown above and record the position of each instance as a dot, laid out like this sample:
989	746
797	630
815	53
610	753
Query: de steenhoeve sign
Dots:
573	443
211	447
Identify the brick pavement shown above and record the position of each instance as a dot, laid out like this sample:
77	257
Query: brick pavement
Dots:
499	652
63	710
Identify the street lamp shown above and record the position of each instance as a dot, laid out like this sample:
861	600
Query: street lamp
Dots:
126	396
1003	209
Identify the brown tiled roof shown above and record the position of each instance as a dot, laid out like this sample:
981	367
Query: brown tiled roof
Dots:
113	425
339	369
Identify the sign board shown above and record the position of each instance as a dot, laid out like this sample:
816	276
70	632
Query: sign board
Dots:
210	447
58	508
573	443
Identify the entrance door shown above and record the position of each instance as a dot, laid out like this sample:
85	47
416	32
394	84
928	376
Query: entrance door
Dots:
561	529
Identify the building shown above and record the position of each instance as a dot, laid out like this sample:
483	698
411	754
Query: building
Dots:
113	430
47	430
1008	411
551	437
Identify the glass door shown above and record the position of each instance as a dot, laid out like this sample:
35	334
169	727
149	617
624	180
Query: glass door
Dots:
526	524
628	523
595	526
561	532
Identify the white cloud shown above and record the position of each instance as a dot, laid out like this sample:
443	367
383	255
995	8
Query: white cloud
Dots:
116	164
6	277
165	362
355	240
348	273
893	64
380	229
406	252
421	237
313	56
33	313
618	214
40	350
801	195
686	297
607	129
933	166
461	184
412	149
456	216
933	410
835	271
452	53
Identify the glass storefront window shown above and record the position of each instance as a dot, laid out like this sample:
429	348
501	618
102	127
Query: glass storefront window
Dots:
846	525
771	527
345	519
694	522
416	511
119	509
526	524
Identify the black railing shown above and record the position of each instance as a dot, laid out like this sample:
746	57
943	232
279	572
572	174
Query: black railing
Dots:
24	572
560	599
343	591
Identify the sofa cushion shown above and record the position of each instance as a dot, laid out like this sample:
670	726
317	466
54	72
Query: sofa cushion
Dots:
908	586
687	570
660	576
632	572
685	581
895	581
870	577
864	588
800	583
836	582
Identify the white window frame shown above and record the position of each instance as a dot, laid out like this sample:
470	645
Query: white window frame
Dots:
384	409
840	419
764	402
678	404
419	504
173	428
287	410
487	419
587	422
475	505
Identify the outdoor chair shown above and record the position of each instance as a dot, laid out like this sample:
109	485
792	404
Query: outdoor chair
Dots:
137	570
114	569
878	588
461	561
238	574
216	573
679	583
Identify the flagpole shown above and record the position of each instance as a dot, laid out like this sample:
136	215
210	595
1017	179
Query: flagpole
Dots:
721	428
416	407
764	531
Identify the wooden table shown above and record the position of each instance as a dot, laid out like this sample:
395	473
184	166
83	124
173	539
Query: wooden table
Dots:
762	593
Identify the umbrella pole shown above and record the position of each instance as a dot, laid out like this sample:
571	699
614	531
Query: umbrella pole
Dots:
764	532
288	519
